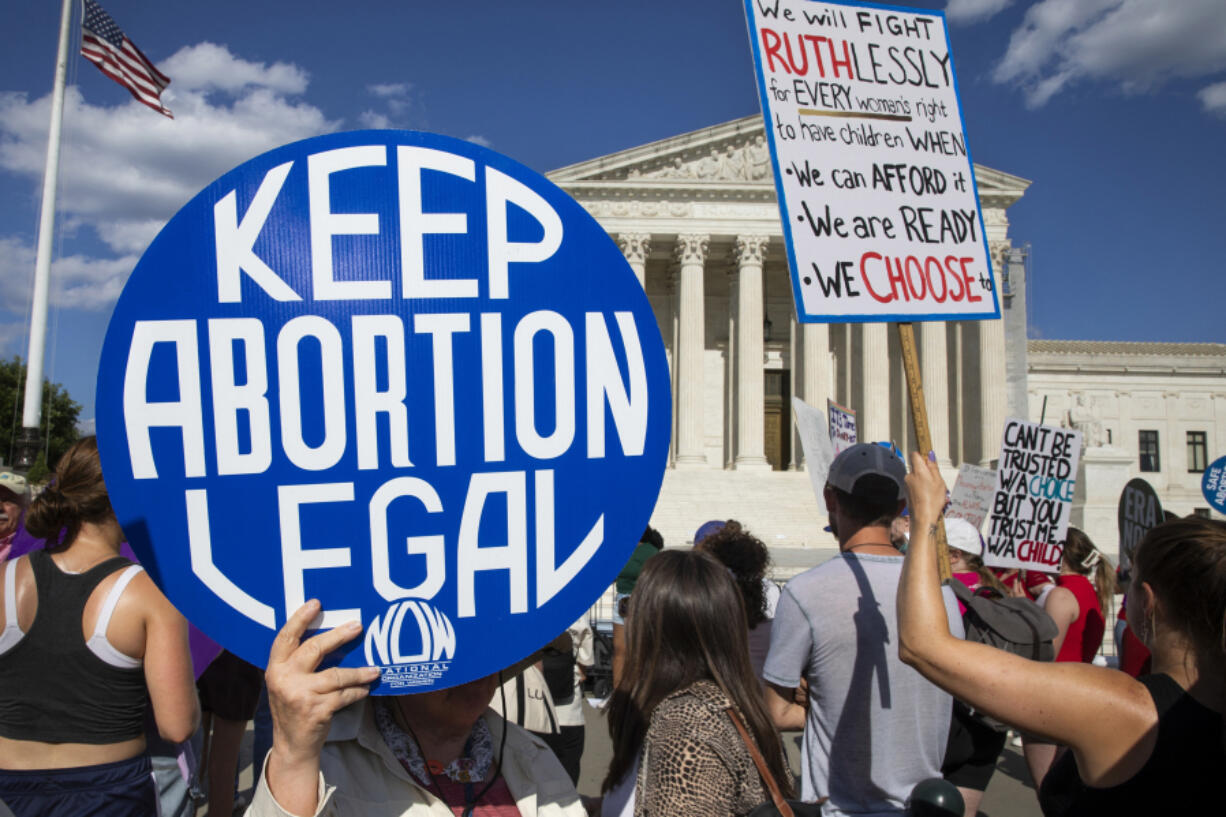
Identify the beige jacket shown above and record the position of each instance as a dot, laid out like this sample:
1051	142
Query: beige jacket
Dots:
360	776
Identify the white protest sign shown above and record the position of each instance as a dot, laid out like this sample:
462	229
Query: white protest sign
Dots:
815	442
872	170
842	427
971	498
1034	495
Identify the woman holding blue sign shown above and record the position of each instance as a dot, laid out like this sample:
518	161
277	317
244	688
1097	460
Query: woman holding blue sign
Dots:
72	705
1134	744
443	753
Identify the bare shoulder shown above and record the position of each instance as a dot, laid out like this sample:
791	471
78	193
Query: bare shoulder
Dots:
1060	599
149	597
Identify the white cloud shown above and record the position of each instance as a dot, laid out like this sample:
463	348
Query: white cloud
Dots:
208	66
389	89
77	281
1213	98
396	99
964	12
1135	44
124	170
374	119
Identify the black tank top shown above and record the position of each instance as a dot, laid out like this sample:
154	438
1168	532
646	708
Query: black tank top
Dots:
1187	766
52	687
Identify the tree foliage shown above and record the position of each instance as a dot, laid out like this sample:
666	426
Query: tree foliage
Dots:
59	420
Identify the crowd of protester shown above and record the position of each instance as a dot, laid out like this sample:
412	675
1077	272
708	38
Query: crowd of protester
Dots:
881	668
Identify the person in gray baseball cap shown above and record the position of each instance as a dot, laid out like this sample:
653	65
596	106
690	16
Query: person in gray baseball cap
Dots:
874	727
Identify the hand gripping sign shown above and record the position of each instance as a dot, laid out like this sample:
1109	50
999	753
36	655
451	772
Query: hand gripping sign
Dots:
396	372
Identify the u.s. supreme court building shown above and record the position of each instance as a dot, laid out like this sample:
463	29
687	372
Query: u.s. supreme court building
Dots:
697	219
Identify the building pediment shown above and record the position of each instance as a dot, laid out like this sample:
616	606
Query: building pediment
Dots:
731	158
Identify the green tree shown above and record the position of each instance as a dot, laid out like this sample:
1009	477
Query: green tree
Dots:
58	427
39	470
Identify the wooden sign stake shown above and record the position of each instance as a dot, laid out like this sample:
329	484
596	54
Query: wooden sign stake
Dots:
923	436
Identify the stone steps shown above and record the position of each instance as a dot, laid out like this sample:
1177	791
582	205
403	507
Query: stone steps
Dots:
779	507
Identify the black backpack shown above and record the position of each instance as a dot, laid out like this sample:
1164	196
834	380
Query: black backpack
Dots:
1011	624
559	670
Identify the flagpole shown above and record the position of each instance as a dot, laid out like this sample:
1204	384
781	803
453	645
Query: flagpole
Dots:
27	440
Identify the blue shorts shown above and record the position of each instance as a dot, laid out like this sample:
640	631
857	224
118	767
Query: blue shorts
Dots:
124	788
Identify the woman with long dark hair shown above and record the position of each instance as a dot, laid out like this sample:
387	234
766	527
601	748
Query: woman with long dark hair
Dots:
87	641
1134	746
687	675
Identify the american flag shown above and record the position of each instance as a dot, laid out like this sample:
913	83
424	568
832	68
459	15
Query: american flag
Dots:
104	44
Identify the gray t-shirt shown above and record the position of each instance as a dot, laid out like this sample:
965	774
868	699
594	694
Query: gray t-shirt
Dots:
875	727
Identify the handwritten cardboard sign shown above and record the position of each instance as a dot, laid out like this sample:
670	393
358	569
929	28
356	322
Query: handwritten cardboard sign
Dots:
394	371
1034	495
971	498
872	169
842	427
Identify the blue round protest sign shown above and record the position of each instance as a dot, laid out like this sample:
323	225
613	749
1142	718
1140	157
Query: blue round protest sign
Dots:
396	372
1213	485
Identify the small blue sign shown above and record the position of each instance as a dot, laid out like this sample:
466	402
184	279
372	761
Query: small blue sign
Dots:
397	372
1213	485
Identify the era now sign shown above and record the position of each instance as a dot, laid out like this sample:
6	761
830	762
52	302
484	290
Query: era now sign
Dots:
394	371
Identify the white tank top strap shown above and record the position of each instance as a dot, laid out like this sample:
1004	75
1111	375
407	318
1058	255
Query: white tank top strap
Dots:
12	632
98	643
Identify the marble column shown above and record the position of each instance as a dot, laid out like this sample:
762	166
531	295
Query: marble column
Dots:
691	253
795	366
815	362
934	371
636	247
991	386
955	393
730	391
748	253
873	418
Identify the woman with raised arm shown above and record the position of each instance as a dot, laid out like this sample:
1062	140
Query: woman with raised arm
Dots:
87	641
688	681
1077	604
1134	746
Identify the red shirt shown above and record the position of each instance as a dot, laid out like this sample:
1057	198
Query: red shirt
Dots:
1134	655
1085	634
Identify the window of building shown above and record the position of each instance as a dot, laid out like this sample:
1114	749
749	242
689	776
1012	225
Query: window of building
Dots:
1148	445
1198	452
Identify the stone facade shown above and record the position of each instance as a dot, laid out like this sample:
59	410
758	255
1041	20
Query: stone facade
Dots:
697	219
1172	393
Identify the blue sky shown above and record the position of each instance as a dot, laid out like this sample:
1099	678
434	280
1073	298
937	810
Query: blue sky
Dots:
1115	109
